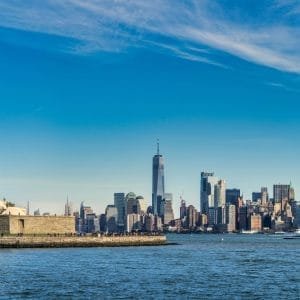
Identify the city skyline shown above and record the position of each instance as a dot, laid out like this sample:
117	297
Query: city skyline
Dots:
214	192
83	101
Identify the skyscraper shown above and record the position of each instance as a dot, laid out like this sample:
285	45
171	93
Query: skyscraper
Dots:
232	196
281	194
191	217
158	181
182	208
166	210
220	200
256	196
220	194
133	206
111	215
230	217
264	195
68	208
121	205
142	202
207	198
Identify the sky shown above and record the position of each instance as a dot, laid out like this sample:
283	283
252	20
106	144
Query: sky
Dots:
86	88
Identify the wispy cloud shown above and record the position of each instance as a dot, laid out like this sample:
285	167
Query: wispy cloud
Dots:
187	29
279	85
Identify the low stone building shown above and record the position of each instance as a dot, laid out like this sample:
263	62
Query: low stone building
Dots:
18	224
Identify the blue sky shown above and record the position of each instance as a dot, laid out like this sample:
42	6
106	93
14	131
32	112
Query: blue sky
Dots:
86	87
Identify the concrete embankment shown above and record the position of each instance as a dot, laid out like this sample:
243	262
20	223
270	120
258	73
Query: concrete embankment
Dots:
80	241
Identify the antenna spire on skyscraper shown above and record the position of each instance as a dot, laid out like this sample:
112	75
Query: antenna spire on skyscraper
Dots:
157	146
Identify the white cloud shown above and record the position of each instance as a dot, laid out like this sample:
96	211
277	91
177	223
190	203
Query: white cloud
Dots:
185	28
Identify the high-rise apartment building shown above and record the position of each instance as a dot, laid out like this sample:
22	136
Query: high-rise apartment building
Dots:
158	181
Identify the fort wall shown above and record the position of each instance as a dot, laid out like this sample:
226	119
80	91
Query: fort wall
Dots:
27	225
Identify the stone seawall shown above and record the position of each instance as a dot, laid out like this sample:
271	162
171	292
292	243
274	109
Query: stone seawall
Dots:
78	241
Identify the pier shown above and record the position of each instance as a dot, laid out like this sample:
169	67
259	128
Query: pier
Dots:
80	241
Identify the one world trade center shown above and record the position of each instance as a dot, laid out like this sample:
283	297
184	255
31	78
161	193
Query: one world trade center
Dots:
158	181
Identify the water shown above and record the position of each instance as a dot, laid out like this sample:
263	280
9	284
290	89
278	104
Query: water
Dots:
201	267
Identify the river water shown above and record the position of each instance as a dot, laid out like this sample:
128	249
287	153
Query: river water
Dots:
199	267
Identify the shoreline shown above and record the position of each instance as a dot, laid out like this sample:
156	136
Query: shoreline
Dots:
81	241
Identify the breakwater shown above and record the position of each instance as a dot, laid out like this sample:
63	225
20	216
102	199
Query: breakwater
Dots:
80	241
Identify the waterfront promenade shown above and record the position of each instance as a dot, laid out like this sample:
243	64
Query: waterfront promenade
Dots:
80	241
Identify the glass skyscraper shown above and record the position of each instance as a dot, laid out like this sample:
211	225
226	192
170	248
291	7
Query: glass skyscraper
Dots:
121	205
158	182
207	195
207	190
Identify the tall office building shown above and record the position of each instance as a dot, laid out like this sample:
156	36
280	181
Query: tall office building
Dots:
142	202
220	200
221	215
166	209
231	217
134	222
191	217
158	181
256	196
111	215
102	222
84	210
220	194
281	194
291	192
182	209
232	196
207	197
68	208
264	195
243	218
121	205
92	223
133	206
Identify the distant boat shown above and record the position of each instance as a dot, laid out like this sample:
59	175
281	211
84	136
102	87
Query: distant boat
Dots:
293	235
249	231
279	232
